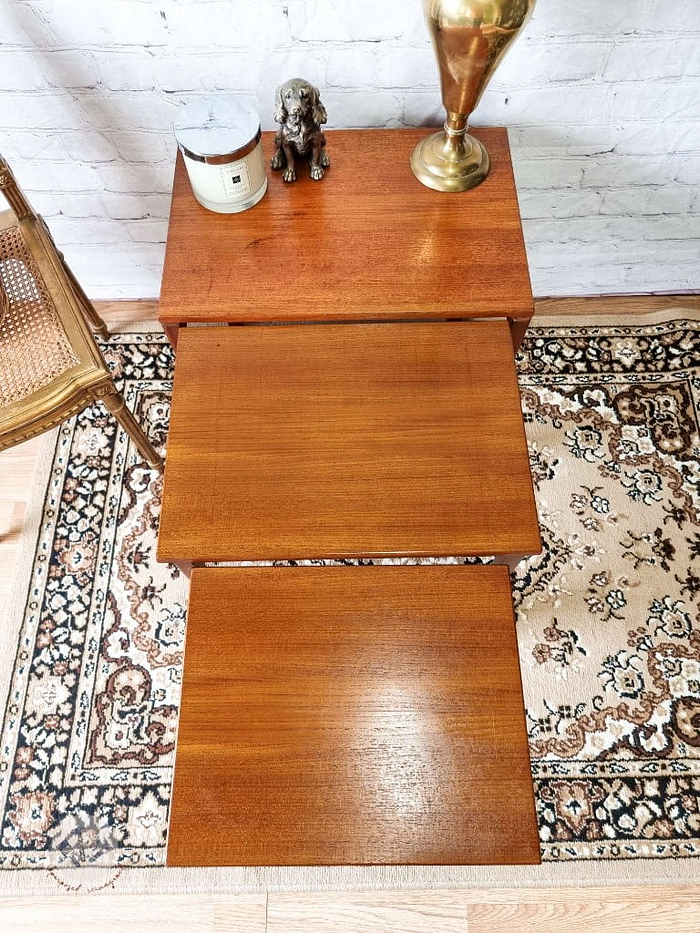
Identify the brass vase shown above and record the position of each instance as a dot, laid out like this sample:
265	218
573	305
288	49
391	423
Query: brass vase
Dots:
470	37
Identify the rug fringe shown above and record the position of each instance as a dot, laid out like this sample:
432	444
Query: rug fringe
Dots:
155	881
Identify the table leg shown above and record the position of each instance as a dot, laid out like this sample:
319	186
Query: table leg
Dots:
184	566
171	332
518	326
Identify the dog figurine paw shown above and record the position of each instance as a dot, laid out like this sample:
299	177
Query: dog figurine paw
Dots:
299	110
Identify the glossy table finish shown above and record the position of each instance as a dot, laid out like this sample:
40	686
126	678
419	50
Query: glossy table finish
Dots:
352	715
368	242
346	440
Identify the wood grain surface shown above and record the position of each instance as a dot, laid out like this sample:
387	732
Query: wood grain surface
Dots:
368	912
346	440
367	242
146	913
642	909
17	466
352	715
629	306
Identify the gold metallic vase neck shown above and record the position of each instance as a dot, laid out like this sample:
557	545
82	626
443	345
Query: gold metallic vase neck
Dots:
470	37
456	124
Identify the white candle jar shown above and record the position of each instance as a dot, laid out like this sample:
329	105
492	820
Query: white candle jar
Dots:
219	138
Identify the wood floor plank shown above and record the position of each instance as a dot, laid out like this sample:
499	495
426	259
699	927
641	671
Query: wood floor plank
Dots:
613	305
127	312
613	915
244	913
368	912
657	909
679	895
654	909
16	488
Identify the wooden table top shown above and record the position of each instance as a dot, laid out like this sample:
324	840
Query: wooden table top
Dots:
352	715
368	242
346	440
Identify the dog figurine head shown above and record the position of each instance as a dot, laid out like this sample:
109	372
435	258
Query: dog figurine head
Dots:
297	101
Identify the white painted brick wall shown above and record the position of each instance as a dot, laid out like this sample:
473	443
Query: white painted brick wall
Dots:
602	98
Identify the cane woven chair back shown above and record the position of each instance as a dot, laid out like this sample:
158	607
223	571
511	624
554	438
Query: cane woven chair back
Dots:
50	365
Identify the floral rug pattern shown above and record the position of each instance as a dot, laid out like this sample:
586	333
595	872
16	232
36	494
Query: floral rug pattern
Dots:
608	614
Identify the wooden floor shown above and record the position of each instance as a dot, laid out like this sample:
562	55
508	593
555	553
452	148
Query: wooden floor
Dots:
560	910
668	909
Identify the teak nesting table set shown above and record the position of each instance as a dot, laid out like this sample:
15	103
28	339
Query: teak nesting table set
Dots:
350	714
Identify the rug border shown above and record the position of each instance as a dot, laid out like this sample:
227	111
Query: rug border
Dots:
13	614
152	881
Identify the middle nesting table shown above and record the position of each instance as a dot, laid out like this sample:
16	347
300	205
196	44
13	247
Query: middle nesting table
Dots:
346	440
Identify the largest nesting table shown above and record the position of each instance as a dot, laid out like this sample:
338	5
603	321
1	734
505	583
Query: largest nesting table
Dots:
365	405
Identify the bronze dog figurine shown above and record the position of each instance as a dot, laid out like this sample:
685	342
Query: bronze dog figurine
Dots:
299	109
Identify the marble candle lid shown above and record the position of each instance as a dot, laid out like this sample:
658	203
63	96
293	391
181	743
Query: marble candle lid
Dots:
216	125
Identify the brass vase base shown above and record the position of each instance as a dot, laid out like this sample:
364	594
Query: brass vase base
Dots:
449	161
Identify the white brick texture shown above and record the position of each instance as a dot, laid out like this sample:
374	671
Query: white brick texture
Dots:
602	100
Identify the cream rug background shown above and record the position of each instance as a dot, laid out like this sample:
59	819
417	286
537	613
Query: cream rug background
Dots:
608	628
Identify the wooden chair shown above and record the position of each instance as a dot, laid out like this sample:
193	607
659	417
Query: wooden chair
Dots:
50	365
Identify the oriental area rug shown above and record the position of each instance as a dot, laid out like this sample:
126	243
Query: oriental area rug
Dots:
608	621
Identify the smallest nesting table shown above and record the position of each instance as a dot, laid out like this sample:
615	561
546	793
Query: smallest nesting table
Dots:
352	715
